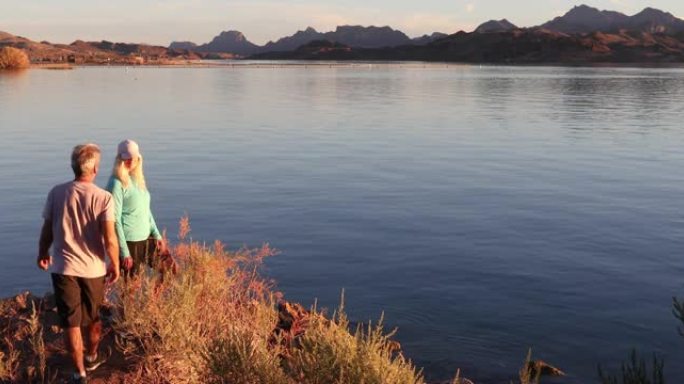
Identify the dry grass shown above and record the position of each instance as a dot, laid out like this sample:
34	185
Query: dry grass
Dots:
18	317
328	353
214	322
36	371
13	58
527	374
9	364
217	321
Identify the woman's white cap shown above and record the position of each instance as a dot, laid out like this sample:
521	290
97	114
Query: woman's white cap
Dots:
128	149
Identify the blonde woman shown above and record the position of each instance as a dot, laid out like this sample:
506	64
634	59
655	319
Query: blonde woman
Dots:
135	226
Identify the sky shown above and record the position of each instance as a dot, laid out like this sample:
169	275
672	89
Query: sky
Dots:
162	21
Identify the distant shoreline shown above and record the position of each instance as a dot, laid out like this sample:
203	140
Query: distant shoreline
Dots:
248	63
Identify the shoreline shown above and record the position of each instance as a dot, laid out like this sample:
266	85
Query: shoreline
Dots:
270	64
34	318
191	326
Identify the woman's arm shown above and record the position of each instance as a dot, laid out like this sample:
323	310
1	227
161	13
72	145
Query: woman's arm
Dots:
154	231
116	189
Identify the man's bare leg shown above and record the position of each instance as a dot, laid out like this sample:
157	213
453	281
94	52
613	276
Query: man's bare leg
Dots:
74	344
94	337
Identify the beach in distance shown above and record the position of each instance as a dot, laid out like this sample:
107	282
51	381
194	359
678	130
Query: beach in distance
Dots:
485	210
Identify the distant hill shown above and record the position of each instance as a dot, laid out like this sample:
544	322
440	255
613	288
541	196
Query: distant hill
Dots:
655	21
7	37
290	43
331	50
368	37
230	41
103	52
351	35
189	45
581	19
520	46
426	39
585	19
42	51
495	26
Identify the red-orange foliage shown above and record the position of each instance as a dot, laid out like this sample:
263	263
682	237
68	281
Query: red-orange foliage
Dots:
13	58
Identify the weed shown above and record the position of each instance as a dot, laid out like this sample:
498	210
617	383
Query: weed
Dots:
634	371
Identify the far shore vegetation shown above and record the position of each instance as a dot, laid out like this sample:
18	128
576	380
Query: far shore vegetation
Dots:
219	321
13	58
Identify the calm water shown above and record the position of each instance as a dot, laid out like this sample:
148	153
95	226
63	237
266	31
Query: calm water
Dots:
484	210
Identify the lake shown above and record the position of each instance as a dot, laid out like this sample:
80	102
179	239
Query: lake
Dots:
486	210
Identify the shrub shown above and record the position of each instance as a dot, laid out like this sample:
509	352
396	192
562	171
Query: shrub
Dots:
678	312
328	353
13	58
634	371
214	322
527	374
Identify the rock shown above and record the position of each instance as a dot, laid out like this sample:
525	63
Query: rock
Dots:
394	346
292	317
543	368
293	321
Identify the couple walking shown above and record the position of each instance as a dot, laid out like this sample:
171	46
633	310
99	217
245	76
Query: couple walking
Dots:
82	224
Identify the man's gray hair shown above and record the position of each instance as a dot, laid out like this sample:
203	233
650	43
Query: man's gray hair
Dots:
84	159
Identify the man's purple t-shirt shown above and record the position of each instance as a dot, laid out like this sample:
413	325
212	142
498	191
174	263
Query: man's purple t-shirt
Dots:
78	211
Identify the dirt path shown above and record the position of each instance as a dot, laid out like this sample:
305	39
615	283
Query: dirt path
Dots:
25	320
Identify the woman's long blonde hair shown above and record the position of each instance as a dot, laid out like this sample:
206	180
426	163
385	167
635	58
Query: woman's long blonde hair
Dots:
124	174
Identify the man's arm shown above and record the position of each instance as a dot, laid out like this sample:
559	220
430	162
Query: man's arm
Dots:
46	237
112	247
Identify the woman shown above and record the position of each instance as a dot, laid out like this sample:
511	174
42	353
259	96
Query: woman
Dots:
135	226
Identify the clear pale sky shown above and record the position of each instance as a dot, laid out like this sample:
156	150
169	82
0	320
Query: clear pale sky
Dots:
160	22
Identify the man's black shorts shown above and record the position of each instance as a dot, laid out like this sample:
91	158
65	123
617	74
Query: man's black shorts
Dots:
78	299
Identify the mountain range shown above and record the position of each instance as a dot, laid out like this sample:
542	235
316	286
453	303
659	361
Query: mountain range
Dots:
582	35
520	46
585	19
580	19
353	35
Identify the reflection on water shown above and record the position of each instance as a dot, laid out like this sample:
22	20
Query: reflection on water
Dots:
485	210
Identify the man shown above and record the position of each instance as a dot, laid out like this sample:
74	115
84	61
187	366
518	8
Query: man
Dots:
79	225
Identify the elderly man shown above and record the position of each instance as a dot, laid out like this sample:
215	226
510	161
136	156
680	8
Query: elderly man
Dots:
79	225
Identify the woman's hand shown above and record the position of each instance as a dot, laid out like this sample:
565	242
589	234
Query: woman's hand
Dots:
161	246
127	263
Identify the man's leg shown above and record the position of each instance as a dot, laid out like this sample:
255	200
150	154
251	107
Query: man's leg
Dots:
68	299
93	295
94	337
74	344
